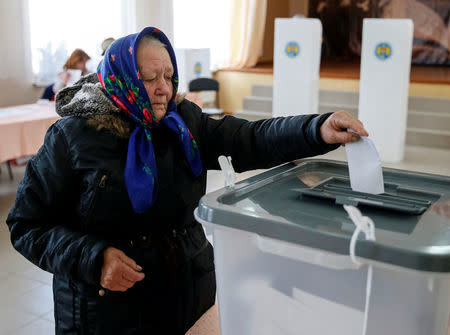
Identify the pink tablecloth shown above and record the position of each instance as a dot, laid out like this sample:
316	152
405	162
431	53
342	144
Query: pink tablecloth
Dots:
22	129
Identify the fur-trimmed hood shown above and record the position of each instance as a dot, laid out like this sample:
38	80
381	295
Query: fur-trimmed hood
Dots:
86	98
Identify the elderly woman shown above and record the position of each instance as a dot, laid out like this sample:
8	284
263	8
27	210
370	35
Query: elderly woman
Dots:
107	203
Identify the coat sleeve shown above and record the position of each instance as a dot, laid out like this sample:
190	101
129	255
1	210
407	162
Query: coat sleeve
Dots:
261	144
41	220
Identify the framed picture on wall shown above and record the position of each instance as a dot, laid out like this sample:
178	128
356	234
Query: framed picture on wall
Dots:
342	26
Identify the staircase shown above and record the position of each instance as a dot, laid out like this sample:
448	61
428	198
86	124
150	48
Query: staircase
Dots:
428	122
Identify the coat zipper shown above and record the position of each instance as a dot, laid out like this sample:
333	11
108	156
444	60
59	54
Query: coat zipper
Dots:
102	182
99	184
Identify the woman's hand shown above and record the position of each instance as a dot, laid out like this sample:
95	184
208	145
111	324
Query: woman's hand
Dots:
334	129
119	272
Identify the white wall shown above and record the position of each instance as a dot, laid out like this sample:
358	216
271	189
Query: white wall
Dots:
15	58
155	13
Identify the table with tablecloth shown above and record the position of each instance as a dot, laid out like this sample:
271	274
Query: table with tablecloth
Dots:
23	128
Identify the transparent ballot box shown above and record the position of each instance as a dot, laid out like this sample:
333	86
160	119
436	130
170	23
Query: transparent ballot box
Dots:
281	246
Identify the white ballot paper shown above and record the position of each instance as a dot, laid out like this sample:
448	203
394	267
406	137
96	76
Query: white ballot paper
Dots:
364	166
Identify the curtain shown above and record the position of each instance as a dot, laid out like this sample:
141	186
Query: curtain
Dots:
155	13
15	58
247	32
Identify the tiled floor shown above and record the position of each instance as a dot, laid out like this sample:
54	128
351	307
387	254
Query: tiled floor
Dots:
26	304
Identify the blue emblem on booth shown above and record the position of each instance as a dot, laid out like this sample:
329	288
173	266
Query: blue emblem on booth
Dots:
383	51
198	68
292	49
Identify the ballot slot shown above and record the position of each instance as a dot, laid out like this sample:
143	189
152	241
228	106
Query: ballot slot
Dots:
269	246
396	198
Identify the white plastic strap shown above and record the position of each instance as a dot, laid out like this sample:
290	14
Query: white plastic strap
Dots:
366	225
228	171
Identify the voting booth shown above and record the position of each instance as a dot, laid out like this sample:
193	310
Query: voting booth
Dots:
296	66
192	64
384	83
282	245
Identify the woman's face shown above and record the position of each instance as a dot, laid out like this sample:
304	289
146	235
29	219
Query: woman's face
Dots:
81	65
156	72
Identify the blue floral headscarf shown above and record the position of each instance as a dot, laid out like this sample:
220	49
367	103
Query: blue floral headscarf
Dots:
119	75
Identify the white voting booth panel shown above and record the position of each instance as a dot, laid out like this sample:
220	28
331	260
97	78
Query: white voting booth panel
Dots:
384	83
296	66
192	64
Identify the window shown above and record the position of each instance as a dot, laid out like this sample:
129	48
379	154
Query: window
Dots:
57	27
203	24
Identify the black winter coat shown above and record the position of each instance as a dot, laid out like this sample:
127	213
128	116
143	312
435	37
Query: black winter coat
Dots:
72	204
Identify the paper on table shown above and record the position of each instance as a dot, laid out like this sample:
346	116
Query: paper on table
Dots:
19	110
75	75
364	166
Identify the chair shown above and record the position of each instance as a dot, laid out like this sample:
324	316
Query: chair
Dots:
203	84
8	165
48	93
207	88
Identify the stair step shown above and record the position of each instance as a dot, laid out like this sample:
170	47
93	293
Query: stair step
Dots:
414	136
251	115
262	104
331	108
262	90
429	120
426	104
440	105
344	98
428	138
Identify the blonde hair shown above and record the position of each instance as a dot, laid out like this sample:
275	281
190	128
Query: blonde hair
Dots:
77	56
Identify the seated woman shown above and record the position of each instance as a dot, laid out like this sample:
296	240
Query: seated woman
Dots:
76	61
106	44
107	203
